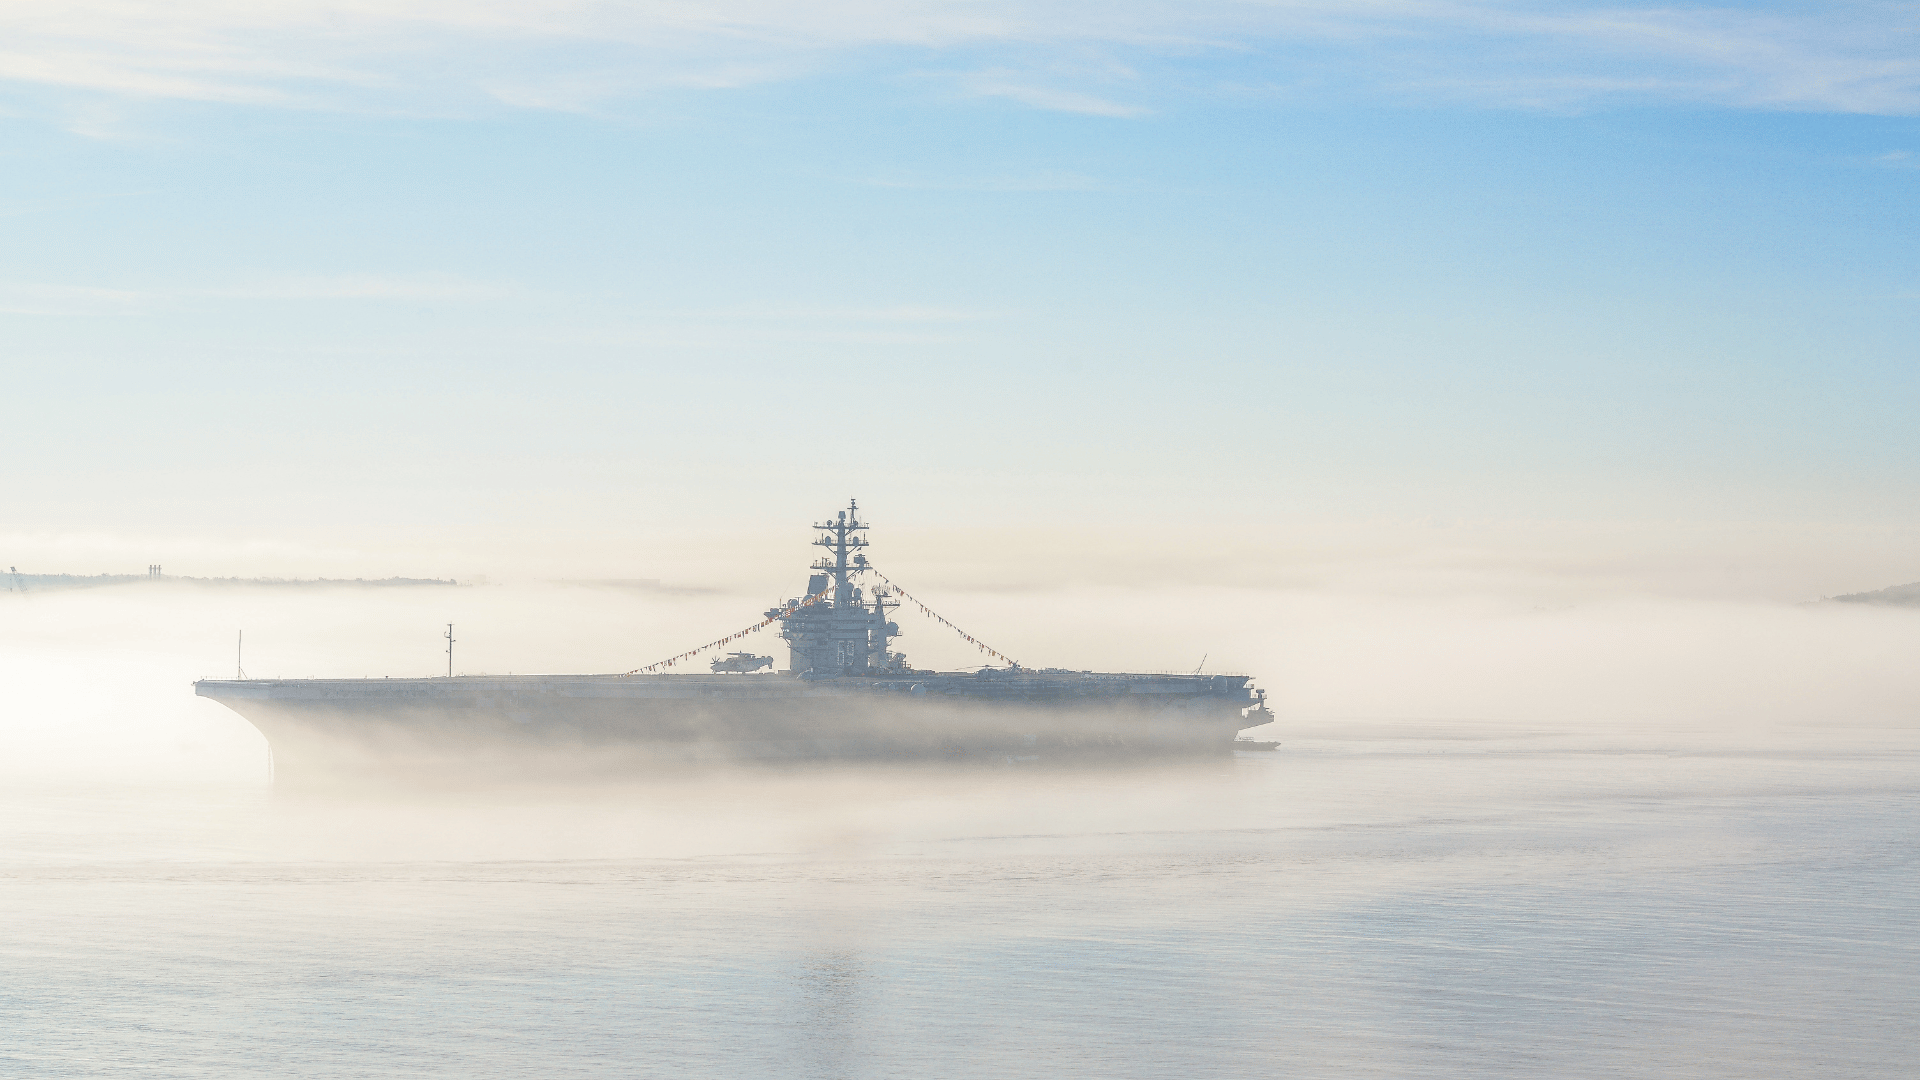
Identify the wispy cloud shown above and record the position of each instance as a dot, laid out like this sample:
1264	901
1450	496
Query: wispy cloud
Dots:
1048	180
884	323
1015	86
37	298
364	287
442	55
812	313
43	298
792	323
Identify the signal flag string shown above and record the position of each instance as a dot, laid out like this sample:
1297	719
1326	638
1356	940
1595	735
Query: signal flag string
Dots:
936	617
809	602
730	638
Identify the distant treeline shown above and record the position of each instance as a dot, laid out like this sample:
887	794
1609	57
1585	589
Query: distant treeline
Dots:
34	582
1901	595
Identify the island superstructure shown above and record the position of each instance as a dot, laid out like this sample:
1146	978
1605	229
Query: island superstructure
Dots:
846	694
842	635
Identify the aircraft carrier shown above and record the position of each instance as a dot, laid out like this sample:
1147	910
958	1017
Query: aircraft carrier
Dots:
846	695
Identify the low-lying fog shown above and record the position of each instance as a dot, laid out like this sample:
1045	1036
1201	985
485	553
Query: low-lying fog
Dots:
97	681
1597	835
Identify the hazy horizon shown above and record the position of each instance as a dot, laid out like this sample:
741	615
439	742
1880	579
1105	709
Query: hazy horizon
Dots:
1500	384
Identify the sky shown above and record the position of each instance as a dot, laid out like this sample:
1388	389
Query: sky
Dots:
1201	289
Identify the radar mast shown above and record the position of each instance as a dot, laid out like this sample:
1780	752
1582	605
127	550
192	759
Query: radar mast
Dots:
832	631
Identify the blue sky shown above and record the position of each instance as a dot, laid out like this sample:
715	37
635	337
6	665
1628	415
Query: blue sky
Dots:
273	272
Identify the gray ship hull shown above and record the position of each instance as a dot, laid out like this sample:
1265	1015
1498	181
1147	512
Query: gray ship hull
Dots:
608	724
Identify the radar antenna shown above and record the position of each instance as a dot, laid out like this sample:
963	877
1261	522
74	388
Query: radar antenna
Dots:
842	634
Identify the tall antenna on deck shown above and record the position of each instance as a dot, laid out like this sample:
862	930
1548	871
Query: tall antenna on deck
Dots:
449	637
240	670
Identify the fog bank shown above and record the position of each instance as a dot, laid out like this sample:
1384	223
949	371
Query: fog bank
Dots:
97	682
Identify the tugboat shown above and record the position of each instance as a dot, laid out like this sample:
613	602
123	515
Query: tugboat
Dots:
845	695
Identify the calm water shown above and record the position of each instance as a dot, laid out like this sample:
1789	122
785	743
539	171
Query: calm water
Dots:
1397	900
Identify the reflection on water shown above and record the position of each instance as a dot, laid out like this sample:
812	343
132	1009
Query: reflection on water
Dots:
1417	899
830	1028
